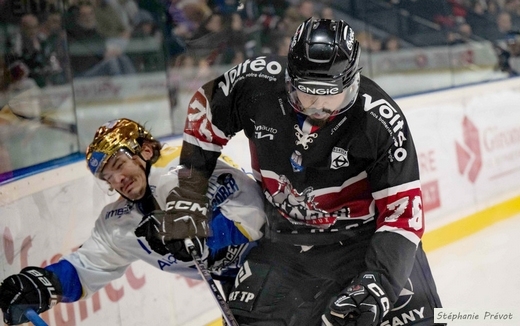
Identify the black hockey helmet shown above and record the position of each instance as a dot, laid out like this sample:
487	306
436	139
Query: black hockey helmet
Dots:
323	59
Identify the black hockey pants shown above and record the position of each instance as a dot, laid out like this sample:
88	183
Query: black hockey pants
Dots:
284	285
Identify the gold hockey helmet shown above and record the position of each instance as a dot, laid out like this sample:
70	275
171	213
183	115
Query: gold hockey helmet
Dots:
112	137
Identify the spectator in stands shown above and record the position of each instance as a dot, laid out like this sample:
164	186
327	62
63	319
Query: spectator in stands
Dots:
376	44
479	8
513	7
236	40
145	26
52	32
213	24
327	13
28	47
368	42
186	18
459	10
364	39
506	52
463	33
220	40
129	10
224	7
210	39
306	9
90	53
147	35
112	23
391	43
466	32
453	37
290	20
503	26
281	44
19	77
493	8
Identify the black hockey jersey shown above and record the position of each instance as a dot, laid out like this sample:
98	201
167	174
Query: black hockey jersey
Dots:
356	174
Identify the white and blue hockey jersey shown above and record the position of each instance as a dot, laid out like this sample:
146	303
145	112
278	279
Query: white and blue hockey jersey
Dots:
238	216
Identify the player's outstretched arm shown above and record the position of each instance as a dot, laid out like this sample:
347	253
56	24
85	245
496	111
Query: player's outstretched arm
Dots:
38	289
34	287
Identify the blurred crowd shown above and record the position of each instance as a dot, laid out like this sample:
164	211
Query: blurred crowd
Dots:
466	20
88	38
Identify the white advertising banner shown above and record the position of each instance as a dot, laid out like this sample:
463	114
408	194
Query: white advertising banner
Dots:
468	142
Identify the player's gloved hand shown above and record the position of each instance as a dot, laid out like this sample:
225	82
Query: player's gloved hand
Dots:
149	228
185	217
179	251
34	288
363	303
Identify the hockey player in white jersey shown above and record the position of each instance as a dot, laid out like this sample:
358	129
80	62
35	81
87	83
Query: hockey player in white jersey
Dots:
125	157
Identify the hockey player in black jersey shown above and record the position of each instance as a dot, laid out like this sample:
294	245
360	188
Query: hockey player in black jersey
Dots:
338	167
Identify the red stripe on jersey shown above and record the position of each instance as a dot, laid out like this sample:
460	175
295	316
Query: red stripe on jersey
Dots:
304	206
197	123
357	197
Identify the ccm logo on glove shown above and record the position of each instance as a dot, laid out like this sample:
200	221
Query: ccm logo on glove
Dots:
187	206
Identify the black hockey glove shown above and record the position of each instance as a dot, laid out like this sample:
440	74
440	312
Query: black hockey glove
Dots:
34	288
363	303
149	229
178	249
185	217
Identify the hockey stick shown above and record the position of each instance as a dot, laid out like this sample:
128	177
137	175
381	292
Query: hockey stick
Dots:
203	271
34	318
44	120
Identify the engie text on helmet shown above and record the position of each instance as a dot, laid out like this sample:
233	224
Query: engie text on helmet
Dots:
239	71
391	120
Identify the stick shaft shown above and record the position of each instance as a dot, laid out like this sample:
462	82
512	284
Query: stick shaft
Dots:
35	318
227	314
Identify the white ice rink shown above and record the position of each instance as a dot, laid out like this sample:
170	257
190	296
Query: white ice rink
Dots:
481	273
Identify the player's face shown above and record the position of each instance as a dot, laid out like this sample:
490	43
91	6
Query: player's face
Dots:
320	107
126	175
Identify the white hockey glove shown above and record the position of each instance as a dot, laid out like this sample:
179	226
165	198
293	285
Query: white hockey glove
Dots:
363	303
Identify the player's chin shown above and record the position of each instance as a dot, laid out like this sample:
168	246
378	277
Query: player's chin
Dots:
133	193
319	120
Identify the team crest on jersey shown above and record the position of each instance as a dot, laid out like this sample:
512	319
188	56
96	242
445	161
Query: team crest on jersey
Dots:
338	158
300	208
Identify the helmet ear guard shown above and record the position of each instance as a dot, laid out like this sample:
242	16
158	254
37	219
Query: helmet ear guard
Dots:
113	137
